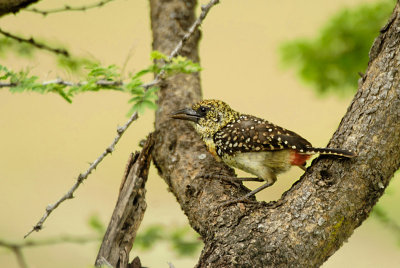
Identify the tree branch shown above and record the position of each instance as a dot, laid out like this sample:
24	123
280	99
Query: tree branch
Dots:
69	8
13	6
33	42
59	81
312	219
81	177
128	212
17	248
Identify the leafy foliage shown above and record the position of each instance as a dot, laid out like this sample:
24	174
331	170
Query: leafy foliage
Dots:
74	64
96	224
331	61
102	78
176	65
21	49
25	49
382	215
182	239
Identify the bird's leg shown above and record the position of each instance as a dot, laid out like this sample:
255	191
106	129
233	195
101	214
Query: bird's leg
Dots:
246	197
270	178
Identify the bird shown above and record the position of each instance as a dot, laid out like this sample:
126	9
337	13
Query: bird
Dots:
250	143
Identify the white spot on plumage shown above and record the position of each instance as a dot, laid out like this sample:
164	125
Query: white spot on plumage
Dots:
270	130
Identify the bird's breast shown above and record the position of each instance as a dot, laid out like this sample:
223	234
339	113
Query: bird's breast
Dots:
252	162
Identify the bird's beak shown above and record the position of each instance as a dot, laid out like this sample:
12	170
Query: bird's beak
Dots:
186	114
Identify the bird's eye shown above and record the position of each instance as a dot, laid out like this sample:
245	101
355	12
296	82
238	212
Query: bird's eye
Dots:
203	109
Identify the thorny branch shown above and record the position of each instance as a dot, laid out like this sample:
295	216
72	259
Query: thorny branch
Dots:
69	8
101	83
33	42
16	248
81	177
59	81
121	130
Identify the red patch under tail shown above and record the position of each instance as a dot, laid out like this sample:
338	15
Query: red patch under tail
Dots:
297	159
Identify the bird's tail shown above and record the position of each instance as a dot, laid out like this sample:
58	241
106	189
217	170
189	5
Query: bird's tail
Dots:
332	151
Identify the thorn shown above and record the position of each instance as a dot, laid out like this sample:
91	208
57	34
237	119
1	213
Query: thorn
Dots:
80	177
37	227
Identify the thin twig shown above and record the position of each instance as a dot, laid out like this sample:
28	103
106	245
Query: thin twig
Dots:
103	83
51	241
33	42
16	248
58	81
20	257
204	11
69	8
81	177
121	130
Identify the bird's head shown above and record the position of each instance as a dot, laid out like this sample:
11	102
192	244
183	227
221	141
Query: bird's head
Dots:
209	116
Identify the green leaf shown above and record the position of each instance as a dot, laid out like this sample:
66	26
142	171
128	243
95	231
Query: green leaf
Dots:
184	241
95	223
147	238
149	104
74	64
157	55
135	99
331	61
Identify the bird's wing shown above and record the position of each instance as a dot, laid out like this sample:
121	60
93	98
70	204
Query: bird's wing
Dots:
251	134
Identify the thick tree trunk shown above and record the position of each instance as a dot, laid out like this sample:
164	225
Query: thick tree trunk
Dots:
322	209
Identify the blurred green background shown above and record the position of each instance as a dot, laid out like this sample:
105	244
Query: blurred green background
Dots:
46	142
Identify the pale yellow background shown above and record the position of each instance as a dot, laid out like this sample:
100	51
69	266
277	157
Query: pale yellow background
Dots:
46	142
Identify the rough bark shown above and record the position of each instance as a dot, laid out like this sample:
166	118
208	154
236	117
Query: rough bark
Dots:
13	6
128	212
313	218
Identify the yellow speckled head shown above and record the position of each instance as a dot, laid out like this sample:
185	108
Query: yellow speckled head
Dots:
209	116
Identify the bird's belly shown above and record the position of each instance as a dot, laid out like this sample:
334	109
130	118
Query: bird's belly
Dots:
260	163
